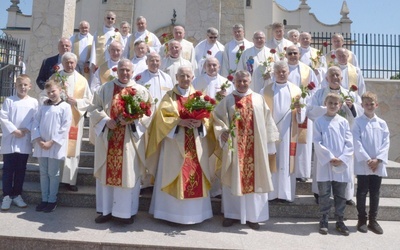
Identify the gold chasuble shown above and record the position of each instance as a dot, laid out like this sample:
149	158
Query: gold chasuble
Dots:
294	133
115	146
352	75
185	173
245	143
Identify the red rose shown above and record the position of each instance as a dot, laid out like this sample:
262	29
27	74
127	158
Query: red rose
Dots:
285	48
325	44
212	101
241	47
114	69
198	93
272	51
230	78
148	112
333	56
207	98
56	68
116	30
239	105
353	88
143	105
131	91
209	52
311	86
164	35
138	77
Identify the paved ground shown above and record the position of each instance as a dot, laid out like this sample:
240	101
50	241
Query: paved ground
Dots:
77	224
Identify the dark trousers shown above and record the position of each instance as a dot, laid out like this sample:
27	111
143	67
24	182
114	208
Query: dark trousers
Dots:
365	184
14	173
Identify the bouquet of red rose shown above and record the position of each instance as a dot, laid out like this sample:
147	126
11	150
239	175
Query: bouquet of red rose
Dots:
197	106
131	106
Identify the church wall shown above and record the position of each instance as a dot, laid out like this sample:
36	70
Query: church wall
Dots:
257	17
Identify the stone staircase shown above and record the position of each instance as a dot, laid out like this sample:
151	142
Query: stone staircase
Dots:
304	205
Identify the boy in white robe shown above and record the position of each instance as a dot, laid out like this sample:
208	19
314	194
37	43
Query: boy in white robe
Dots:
16	116
371	148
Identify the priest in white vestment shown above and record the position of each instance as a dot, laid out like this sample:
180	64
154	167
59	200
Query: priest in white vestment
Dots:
209	47
233	50
103	37
125	29
81	47
312	56
259	61
174	60
302	76
108	70
287	113
182	147
139	60
119	149
278	42
350	109
352	75
245	170
337	41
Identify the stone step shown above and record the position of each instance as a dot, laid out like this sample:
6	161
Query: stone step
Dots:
304	206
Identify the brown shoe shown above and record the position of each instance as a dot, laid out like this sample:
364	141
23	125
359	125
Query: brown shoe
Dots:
253	225
103	218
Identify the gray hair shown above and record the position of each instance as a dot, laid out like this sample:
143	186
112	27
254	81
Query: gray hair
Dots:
280	65
69	55
243	73
237	26
212	31
293	31
124	61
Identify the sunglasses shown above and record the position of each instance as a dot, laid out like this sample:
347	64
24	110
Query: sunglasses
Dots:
213	37
111	18
292	53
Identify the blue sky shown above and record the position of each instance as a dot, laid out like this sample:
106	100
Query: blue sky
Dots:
368	16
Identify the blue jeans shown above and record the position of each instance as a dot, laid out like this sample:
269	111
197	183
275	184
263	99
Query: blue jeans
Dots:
339	197
365	183
49	178
14	173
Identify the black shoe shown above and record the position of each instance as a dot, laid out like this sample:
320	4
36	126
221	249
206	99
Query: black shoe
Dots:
341	228
274	201
103	218
41	206
316	196
71	188
51	206
124	220
323	227
301	179
283	201
253	225
350	203
362	225
375	227
227	222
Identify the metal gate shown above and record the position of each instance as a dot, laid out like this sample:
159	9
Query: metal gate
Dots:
11	58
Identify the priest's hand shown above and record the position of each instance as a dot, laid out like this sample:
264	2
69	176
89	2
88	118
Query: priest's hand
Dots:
349	102
19	133
266	76
111	124
190	123
336	162
222	92
72	101
124	123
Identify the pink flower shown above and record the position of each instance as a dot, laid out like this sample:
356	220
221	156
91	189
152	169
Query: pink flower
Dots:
272	51
209	52
143	105
138	77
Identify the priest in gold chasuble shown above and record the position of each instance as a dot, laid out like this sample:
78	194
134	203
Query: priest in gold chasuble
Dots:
119	148
246	132
180	149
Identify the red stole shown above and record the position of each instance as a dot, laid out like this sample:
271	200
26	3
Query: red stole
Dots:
115	151
192	174
245	143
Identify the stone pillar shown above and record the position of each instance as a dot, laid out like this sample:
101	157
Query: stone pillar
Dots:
51	20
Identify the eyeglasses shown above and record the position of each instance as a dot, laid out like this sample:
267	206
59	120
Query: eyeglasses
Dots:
213	37
111	18
292	53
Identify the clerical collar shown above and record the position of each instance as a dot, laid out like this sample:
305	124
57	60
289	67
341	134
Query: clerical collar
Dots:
342	66
291	66
82	36
305	49
248	92
139	33
211	78
337	91
154	74
174	59
259	49
278	41
106	29
239	42
281	84
68	73
184	92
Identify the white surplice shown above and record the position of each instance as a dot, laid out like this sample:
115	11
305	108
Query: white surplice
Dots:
171	65
229	59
